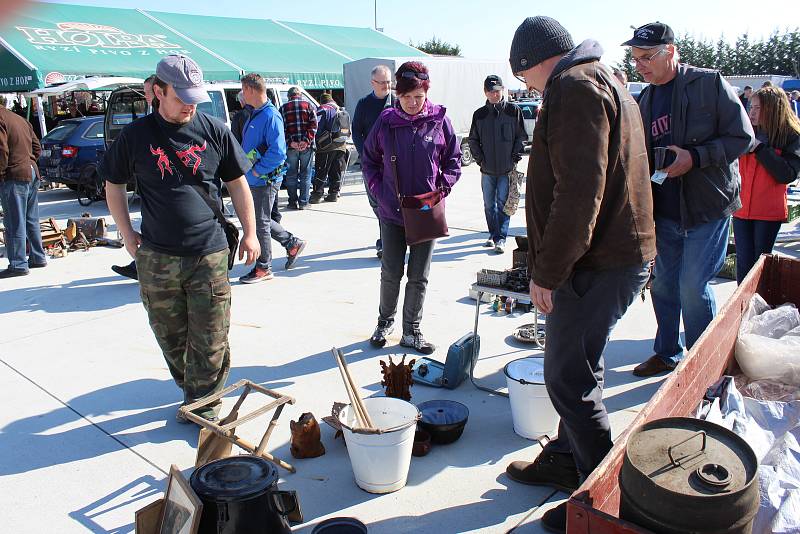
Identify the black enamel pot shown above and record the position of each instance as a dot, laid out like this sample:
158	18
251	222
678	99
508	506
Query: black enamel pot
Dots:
444	420
240	496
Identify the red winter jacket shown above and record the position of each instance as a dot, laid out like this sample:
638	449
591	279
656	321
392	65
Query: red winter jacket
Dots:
765	174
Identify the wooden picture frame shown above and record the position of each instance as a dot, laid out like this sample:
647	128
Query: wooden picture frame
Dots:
182	508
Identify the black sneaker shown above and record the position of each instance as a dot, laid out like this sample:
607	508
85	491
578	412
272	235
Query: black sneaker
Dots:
384	329
292	206
555	519
10	273
128	271
295	250
553	469
332	197
316	198
416	341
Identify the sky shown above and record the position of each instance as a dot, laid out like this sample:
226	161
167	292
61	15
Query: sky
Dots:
484	29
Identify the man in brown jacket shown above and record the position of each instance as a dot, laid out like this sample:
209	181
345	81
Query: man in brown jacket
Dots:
591	233
19	190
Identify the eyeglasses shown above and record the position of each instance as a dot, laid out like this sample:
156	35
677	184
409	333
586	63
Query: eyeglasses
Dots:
645	60
387	82
520	78
411	74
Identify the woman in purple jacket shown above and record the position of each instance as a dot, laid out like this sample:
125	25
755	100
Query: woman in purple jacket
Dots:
428	158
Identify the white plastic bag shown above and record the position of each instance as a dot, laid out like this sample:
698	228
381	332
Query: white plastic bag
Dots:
768	346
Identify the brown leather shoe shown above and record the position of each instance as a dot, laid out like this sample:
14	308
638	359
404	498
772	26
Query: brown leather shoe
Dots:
653	366
548	469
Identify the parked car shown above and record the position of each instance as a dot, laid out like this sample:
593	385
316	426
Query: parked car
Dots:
69	151
530	112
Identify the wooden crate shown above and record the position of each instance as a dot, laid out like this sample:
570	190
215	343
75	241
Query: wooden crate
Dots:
594	507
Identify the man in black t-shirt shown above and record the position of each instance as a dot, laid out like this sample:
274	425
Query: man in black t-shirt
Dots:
182	252
694	119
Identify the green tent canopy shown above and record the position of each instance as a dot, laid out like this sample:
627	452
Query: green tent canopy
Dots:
50	43
263	46
355	43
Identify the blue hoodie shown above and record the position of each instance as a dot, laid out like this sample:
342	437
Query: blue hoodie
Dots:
264	129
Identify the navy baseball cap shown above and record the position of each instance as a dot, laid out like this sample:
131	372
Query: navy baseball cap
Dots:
185	76
651	35
493	83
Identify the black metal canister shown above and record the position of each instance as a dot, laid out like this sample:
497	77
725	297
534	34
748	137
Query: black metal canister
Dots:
240	496
684	475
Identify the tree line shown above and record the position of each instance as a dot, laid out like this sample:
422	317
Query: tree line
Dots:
777	54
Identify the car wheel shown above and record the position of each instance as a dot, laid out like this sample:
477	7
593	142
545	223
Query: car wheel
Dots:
466	155
90	187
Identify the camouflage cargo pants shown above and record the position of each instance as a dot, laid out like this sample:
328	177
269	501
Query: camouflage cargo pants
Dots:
188	302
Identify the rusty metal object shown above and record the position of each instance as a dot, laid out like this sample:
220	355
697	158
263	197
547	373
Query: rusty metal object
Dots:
681	474
398	378
306	437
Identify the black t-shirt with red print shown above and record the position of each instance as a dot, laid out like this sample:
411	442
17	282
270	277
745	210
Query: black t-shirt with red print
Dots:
175	219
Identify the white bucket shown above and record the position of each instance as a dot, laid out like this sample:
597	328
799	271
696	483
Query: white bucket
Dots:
531	409
381	461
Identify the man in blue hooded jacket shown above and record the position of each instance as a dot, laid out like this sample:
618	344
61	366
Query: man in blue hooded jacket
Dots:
264	143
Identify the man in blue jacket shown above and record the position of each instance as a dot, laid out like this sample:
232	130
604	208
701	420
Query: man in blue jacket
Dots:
264	143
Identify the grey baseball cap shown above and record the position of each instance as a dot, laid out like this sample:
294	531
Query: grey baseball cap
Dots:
185	76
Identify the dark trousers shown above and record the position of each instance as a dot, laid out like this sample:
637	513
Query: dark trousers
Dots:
392	263
585	309
374	205
329	166
753	238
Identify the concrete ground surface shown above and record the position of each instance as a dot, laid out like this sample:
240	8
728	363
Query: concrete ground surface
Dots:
88	430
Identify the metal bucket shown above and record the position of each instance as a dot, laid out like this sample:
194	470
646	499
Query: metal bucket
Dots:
687	475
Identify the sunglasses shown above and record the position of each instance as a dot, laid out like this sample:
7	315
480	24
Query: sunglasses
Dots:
411	74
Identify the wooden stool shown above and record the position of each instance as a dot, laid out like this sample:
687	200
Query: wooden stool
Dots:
216	439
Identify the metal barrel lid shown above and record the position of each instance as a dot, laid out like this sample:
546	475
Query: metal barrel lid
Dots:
236	478
692	457
526	370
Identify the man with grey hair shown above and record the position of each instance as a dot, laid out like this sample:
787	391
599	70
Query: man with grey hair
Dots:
696	130
300	127
590	226
264	143
364	117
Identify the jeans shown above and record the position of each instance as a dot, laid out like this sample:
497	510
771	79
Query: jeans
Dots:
392	263
20	201
329	166
687	261
374	205
495	194
298	175
753	238
585	309
266	227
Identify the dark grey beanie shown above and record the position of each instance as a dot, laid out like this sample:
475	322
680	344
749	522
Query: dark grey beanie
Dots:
537	39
